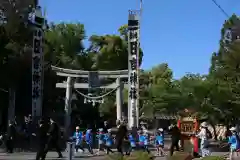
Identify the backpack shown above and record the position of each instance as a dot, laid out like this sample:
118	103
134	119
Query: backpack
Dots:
209	134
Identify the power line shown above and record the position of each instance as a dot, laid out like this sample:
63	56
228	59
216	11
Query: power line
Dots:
221	9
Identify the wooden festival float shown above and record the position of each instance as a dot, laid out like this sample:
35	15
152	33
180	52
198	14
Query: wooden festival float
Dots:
188	124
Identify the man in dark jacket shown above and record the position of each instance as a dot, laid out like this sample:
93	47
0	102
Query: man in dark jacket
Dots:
11	134
27	129
42	140
175	138
121	135
53	138
105	127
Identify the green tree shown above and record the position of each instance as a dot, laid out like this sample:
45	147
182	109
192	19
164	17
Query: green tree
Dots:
225	71
111	51
64	46
155	92
15	37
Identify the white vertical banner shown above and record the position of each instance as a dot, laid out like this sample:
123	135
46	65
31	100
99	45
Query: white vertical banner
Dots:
37	72
133	49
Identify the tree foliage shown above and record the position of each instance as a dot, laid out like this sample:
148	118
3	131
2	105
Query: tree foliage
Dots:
215	95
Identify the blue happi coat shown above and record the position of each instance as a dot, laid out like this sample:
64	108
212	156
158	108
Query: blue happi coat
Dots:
234	142
77	136
89	136
100	137
143	140
132	140
159	140
108	139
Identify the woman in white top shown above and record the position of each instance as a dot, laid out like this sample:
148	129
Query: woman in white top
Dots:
203	136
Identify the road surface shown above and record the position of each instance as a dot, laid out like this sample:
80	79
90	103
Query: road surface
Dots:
79	156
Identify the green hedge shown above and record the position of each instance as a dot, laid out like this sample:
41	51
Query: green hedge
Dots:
180	156
139	155
213	158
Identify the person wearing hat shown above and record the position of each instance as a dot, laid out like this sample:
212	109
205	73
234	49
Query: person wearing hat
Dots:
204	136
109	141
132	139
143	141
100	136
234	143
89	140
77	136
159	142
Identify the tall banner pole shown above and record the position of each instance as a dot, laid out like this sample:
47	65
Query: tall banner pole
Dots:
133	52
37	64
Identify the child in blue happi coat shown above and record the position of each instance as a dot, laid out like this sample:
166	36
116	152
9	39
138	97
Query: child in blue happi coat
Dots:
77	136
143	141
109	141
159	142
89	140
100	137
132	141
234	143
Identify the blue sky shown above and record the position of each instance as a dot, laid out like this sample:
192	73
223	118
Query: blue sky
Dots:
182	33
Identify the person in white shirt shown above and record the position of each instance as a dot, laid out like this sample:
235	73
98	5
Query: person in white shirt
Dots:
203	136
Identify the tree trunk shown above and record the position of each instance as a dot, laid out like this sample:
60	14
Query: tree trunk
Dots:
11	107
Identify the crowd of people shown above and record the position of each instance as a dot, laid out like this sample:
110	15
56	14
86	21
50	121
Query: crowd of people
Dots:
48	134
124	140
232	138
18	133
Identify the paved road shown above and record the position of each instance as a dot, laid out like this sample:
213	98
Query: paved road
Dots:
51	156
79	156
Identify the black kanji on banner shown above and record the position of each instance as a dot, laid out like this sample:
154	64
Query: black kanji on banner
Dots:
36	92
134	112
133	93
133	48
36	62
133	23
133	34
133	63
38	33
36	77
133	77
37	46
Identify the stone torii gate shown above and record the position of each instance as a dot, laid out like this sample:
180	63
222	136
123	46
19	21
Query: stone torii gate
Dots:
93	77
132	74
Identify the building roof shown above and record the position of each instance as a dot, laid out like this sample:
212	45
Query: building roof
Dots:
166	117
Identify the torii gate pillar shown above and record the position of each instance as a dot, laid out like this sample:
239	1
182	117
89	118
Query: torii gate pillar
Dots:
68	101
119	98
